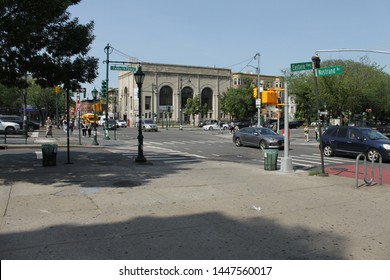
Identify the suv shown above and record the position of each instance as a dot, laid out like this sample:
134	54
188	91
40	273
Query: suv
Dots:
31	126
148	125
355	140
9	127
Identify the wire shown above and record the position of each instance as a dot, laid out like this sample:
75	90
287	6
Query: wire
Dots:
248	59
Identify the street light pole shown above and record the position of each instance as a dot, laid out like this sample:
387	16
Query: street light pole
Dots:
139	77
180	96
107	51
94	94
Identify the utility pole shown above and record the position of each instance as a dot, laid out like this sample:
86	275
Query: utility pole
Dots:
258	89
107	51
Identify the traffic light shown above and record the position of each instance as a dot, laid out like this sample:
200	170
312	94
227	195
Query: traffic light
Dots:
316	61
104	88
57	89
255	93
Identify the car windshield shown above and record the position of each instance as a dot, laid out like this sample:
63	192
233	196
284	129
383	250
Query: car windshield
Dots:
374	135
265	131
148	121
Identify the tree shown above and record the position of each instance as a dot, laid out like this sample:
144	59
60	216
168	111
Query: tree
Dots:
11	100
362	85
39	38
239	102
193	107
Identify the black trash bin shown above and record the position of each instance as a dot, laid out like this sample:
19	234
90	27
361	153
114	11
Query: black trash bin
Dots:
49	154
270	159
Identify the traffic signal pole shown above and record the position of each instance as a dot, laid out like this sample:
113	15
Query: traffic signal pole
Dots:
286	161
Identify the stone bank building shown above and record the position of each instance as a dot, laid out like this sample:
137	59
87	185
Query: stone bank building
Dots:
166	89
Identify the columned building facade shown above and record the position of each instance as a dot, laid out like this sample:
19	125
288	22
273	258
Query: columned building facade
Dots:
166	89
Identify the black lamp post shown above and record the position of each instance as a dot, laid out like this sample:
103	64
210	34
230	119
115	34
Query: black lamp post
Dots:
139	77
94	94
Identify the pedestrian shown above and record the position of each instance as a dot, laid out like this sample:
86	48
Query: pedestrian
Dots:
89	127
306	132
71	125
84	129
317	134
49	127
231	127
65	125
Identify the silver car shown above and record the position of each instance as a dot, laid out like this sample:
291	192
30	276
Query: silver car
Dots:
261	137
149	125
9	127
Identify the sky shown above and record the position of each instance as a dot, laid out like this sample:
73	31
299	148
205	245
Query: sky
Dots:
228	34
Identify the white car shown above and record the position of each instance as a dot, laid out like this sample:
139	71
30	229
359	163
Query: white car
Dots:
121	123
9	127
211	126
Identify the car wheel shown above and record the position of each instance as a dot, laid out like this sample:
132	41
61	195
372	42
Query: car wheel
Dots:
373	155
238	142
328	151
262	145
210	128
10	130
30	128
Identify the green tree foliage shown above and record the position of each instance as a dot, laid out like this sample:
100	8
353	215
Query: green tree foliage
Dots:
239	102
11	100
193	108
40	39
362	85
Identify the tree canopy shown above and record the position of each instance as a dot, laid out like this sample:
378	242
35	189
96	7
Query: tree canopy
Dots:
38	38
363	86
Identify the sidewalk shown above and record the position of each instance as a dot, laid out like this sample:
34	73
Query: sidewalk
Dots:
105	206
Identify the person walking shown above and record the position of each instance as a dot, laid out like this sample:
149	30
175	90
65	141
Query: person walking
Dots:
49	127
89	128
306	132
84	129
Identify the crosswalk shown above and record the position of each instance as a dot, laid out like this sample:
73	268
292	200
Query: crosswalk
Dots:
161	154
307	161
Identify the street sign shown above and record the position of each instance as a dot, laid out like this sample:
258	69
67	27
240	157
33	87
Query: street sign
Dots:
302	66
329	71
123	68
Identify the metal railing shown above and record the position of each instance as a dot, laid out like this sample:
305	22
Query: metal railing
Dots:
371	179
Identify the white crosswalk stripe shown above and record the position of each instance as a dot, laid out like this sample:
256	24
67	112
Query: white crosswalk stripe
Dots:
315	160
154	153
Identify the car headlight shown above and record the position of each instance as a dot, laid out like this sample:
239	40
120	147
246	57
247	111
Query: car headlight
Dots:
386	146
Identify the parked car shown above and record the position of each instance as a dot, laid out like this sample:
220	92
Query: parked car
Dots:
261	137
31	125
354	140
149	125
121	123
9	127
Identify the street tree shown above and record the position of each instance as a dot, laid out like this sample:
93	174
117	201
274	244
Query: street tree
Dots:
238	102
193	108
39	39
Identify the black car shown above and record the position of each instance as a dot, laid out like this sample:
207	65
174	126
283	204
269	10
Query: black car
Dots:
355	140
261	137
31	126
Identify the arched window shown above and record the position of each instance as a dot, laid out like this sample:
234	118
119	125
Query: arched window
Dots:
166	94
186	93
207	98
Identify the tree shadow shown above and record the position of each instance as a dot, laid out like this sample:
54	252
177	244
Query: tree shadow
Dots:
181	234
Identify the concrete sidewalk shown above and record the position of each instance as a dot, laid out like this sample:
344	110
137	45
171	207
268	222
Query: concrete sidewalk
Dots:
106	207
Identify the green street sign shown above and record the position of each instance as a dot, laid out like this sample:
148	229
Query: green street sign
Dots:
302	66
329	71
123	68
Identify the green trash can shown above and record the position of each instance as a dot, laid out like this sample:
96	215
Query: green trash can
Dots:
270	159
49	154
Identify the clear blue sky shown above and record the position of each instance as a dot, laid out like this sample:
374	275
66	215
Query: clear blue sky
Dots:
229	33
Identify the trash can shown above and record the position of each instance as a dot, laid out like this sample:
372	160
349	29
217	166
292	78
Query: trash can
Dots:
270	159
49	154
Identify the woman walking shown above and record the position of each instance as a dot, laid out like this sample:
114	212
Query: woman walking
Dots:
49	127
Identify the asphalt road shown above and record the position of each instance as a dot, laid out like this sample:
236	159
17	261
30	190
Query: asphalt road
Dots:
195	143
